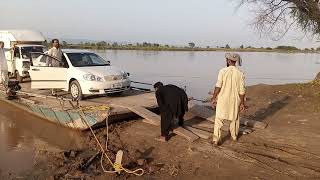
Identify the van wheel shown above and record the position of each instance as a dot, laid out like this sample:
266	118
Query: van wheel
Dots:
18	77
75	91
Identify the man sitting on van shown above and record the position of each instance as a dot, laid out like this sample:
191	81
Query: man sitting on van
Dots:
56	53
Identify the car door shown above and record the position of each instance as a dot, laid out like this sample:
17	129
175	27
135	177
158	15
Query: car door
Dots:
47	72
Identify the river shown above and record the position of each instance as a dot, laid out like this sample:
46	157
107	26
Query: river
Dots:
197	71
21	134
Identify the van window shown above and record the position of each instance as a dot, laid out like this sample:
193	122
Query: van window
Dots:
25	51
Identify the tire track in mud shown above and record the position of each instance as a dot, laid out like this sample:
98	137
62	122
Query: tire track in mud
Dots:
283	159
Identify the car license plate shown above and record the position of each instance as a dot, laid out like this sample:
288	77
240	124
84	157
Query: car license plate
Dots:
117	85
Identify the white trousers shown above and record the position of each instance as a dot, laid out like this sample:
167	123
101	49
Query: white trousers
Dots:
4	78
234	128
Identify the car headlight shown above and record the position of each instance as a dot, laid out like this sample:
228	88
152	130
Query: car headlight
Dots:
91	77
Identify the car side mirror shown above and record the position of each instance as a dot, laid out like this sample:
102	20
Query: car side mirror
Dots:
128	74
109	62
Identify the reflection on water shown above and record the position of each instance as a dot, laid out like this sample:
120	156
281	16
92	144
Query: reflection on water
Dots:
22	135
198	70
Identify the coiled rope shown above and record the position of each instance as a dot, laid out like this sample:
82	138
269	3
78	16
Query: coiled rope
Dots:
118	168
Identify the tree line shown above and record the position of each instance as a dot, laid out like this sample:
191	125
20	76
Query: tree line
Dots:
158	46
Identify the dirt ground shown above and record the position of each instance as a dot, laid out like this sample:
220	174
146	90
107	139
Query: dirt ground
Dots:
289	148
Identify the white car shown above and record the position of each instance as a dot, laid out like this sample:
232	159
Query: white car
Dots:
80	72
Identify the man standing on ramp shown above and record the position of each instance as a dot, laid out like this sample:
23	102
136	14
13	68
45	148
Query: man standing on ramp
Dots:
228	97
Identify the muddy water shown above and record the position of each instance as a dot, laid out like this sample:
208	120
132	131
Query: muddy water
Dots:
23	135
198	70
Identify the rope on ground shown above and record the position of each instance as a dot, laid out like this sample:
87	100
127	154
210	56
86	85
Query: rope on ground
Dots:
118	168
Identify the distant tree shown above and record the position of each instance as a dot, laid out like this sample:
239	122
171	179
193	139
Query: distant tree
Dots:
241	47
145	44
167	46
312	49
306	49
287	48
227	46
64	44
318	49
115	44
268	48
208	47
261	47
192	45
101	44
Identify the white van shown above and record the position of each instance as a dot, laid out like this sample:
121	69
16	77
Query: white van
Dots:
26	41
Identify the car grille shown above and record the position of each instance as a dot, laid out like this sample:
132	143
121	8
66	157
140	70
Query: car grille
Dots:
113	78
113	90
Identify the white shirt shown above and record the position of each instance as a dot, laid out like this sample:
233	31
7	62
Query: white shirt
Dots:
3	59
232	84
54	52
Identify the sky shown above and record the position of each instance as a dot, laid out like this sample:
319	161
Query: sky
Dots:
175	22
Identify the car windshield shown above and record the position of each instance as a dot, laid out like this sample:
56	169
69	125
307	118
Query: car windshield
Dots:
25	51
86	59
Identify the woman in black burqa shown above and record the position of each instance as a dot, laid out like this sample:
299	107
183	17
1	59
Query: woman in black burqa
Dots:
173	104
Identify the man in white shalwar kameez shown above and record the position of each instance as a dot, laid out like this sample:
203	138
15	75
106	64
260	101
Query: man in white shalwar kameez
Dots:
3	65
228	97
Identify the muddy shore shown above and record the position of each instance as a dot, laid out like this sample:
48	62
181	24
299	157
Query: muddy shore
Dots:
288	148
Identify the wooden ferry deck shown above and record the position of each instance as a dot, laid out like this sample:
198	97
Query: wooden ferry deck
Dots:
132	103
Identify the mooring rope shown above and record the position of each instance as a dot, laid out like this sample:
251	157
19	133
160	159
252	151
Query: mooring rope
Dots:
118	168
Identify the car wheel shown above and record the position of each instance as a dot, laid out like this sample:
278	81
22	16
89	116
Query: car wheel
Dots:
75	90
18	77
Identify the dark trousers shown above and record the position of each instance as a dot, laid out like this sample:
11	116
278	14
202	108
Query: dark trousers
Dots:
168	123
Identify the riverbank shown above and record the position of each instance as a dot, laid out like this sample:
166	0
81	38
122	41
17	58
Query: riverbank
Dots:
288	148
190	49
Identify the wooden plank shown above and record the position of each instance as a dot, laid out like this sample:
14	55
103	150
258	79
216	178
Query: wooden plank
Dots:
201	133
186	134
154	119
202	112
179	131
27	101
151	122
151	117
209	114
209	127
242	130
